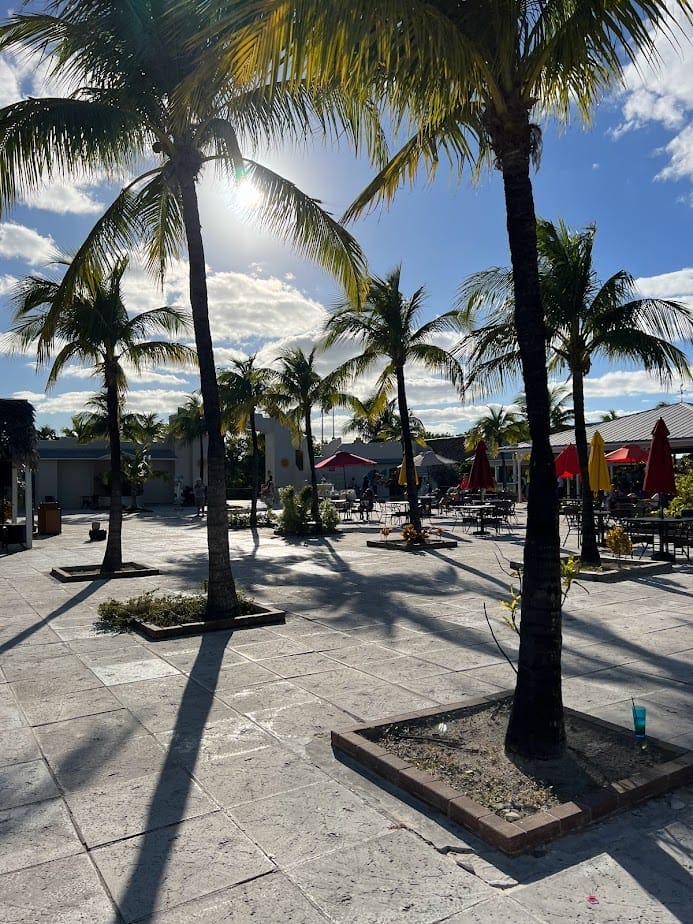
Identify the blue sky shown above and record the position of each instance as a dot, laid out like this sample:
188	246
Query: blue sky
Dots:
630	174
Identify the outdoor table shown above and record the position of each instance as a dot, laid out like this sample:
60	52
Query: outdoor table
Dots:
477	511
425	503
664	530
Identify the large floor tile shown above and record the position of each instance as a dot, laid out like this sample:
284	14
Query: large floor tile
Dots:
66	891
31	834
394	878
170	866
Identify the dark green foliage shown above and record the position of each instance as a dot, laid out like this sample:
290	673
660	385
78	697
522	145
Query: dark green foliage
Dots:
161	609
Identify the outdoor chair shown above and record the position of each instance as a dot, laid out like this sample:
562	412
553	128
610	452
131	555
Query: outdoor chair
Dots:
572	515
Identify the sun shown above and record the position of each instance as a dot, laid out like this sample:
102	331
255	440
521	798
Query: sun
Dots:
246	195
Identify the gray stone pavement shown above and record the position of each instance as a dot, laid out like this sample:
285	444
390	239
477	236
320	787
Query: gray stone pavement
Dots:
193	780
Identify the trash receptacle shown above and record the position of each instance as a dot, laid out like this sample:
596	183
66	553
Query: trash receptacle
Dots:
49	519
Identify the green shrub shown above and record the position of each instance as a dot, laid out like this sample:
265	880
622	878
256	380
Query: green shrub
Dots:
295	515
161	610
329	516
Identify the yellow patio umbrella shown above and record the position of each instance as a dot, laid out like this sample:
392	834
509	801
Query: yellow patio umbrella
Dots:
598	471
402	477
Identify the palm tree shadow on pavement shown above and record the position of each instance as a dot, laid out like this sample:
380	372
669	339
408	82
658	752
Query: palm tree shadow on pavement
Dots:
139	897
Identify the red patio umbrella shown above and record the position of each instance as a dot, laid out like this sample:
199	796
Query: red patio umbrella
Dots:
630	454
344	460
659	471
481	476
567	462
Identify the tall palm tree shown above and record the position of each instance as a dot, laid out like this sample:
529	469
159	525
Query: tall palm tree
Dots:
475	78
585	318
385	327
243	389
169	85
189	425
298	388
95	329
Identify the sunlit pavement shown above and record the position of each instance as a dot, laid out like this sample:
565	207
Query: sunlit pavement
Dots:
193	780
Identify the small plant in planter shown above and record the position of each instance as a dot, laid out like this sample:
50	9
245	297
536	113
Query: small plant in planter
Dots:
161	610
413	536
619	542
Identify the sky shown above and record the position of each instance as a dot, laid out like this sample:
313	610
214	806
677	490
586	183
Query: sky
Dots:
630	174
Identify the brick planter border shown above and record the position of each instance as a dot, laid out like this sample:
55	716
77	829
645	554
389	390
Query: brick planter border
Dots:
398	545
71	573
262	616
519	836
630	570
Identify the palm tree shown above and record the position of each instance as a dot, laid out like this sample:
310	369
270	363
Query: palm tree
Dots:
167	84
243	389
188	424
474	78
497	428
585	318
46	433
609	415
298	388
95	329
560	415
386	329
379	426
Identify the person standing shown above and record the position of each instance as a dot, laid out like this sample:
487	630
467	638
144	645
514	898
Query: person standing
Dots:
200	492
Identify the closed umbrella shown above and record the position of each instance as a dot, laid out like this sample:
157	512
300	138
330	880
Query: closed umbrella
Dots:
598	472
402	477
659	477
659	471
481	476
344	460
631	454
567	463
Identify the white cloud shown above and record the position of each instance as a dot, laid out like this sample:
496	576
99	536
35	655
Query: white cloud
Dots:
662	93
677	285
616	384
145	401
65	198
7	283
20	242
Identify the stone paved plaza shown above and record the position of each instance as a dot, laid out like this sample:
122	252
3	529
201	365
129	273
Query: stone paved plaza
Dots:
193	780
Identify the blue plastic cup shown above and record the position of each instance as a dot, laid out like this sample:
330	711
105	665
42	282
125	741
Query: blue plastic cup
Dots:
639	719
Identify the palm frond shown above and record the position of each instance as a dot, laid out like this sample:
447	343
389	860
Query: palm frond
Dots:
299	219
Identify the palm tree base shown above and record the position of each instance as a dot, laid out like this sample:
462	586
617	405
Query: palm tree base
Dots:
129	569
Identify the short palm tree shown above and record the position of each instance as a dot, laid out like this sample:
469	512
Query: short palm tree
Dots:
95	329
385	327
298	388
498	427
560	414
169	85
585	318
189	426
244	389
379	426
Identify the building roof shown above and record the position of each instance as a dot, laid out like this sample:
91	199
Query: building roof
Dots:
637	428
17	433
67	448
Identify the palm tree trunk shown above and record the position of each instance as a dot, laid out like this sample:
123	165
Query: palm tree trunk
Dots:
408	452
113	556
315	500
536	728
254	471
202	456
589	553
222	601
